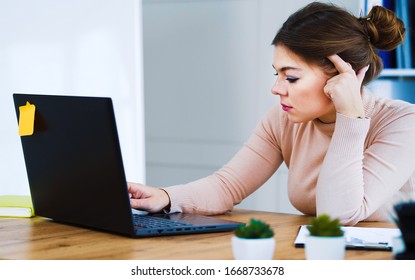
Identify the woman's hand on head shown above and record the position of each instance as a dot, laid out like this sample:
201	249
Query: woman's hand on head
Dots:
344	89
148	198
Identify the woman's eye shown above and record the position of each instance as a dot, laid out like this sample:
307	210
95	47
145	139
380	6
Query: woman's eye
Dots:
275	74
291	79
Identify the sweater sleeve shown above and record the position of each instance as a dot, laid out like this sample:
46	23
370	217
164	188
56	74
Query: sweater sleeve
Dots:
251	167
356	181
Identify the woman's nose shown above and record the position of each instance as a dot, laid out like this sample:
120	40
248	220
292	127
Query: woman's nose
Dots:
278	88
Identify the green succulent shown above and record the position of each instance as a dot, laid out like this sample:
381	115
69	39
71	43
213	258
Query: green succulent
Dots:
323	225
255	229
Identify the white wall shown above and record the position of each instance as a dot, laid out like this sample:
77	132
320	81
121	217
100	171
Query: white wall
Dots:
72	47
208	75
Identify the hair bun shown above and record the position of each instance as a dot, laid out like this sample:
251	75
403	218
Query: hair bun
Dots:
384	29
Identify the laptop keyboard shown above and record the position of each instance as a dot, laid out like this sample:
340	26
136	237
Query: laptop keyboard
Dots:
151	222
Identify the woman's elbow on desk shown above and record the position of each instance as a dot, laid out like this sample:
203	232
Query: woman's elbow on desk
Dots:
345	218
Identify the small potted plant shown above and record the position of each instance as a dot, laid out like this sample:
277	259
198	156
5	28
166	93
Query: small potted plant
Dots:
254	241
326	240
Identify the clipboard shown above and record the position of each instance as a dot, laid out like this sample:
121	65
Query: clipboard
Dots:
359	238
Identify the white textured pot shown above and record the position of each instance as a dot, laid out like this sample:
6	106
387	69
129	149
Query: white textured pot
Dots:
253	249
325	247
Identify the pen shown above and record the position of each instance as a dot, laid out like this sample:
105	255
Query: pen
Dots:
357	243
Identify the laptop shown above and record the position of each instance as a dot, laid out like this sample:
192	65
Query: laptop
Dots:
76	174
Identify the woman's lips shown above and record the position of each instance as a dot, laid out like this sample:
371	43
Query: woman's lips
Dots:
286	107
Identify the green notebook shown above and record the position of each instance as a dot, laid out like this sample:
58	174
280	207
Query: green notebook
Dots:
16	206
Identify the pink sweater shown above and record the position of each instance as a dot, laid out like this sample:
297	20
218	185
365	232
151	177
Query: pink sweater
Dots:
353	169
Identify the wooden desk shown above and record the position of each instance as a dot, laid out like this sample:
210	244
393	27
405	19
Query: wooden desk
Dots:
39	238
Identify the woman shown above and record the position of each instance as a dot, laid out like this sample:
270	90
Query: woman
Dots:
349	153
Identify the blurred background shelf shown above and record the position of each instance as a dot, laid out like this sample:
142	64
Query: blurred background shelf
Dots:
393	73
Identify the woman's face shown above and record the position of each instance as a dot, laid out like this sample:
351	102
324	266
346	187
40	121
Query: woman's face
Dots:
300	87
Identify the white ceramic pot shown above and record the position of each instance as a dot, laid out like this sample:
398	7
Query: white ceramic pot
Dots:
253	249
325	247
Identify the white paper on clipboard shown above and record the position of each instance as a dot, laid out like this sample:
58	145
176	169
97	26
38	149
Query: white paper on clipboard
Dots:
359	237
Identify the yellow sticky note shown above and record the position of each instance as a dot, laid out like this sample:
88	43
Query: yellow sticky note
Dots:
27	119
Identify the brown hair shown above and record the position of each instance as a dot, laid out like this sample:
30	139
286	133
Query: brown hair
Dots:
319	30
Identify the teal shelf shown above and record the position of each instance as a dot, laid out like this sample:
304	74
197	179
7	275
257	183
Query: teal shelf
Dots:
394	73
